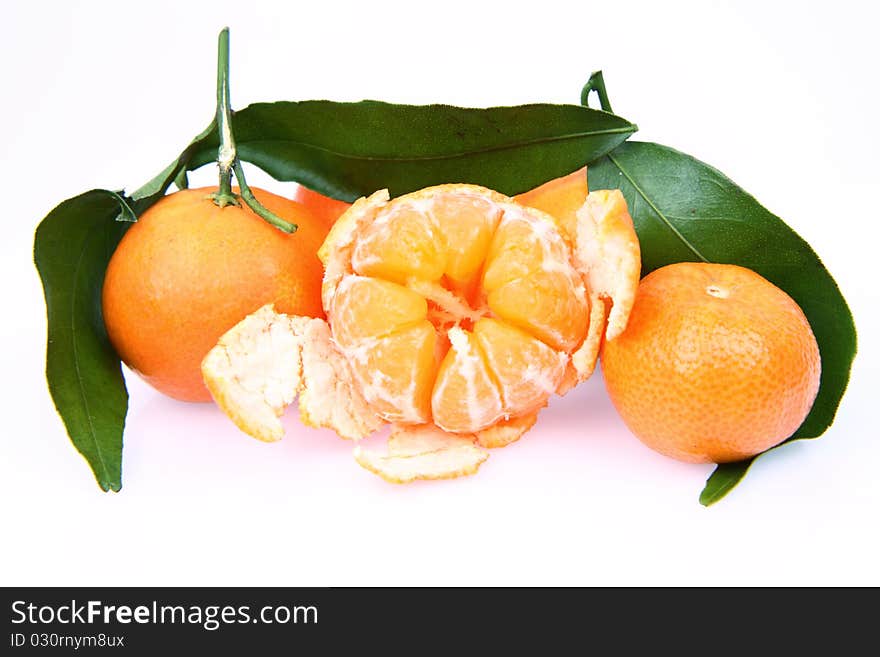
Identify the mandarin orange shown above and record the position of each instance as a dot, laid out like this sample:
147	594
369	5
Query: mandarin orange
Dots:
455	305
716	363
188	271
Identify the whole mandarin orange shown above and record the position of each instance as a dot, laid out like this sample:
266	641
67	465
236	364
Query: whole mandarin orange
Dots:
188	271
716	364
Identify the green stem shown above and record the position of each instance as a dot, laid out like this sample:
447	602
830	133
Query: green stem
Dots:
596	83
227	155
226	152
251	201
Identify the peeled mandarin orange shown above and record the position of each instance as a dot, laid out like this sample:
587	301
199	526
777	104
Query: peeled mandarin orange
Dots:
716	363
454	305
453	313
188	271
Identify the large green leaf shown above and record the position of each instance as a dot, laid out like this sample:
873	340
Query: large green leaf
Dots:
685	210
347	150
71	249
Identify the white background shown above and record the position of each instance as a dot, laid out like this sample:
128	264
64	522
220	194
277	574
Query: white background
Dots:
781	96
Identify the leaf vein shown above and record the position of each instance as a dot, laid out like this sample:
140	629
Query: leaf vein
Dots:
703	217
449	156
79	377
657	211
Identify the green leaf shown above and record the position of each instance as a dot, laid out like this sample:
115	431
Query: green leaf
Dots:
152	191
348	150
72	246
685	210
723	480
126	211
182	180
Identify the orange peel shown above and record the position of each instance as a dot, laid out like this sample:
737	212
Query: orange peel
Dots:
264	362
423	452
608	254
505	432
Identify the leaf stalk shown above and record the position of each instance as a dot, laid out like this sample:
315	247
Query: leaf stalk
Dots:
596	83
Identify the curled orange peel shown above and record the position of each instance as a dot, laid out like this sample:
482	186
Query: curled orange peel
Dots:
423	452
267	360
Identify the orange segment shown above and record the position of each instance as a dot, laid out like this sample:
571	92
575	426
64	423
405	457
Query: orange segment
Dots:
467	226
547	305
357	300
505	432
522	245
396	372
530	280
465	396
527	370
402	242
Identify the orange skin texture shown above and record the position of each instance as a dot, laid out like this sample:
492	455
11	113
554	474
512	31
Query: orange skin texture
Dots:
716	364
561	198
324	208
188	271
